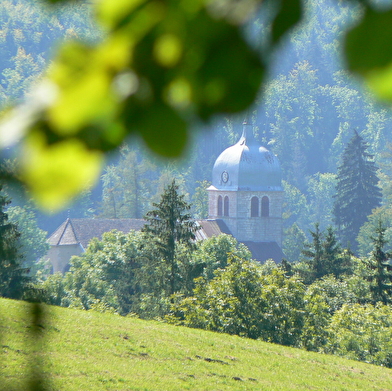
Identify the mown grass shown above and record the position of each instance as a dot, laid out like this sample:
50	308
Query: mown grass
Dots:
83	350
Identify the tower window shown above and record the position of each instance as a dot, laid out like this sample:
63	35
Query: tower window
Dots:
226	206
265	206
220	206
254	207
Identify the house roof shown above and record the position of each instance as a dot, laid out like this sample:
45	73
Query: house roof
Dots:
75	231
81	231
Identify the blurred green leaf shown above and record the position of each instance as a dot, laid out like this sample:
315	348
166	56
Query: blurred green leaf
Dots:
289	15
368	44
160	66
113	13
380	82
369	51
222	57
163	130
56	173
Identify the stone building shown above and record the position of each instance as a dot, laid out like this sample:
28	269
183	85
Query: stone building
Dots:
246	193
73	236
245	201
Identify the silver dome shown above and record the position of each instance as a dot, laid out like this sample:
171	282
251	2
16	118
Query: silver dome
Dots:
247	166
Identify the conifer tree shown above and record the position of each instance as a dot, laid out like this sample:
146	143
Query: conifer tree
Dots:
357	192
170	224
324	255
336	259
380	267
13	278
314	254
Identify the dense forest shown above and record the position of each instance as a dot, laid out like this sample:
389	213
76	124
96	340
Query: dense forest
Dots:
306	115
312	114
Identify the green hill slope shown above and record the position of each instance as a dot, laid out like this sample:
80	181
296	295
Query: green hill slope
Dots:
81	350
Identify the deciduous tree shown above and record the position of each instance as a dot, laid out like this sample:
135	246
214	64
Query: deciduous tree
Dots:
32	240
242	301
362	333
103	276
200	200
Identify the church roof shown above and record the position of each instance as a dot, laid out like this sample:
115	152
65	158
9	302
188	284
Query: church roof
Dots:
247	166
262	251
81	231
211	227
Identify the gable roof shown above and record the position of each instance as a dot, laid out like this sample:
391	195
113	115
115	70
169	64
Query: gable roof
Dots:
81	231
65	234
75	231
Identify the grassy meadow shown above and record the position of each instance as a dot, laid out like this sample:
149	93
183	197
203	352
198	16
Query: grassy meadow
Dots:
79	350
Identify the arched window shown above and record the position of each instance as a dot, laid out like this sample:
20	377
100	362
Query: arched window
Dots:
254	207
226	206
265	206
220	206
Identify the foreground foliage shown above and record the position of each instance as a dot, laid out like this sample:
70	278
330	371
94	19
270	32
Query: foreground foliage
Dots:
242	301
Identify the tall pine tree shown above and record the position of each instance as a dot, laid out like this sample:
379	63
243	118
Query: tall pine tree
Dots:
380	268
323	255
357	192
170	224
13	277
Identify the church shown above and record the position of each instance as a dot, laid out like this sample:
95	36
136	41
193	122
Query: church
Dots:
245	201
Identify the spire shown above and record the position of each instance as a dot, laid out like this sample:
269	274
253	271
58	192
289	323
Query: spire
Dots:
247	136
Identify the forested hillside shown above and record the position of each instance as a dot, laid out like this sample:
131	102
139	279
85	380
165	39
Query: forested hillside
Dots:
29	35
331	137
306	115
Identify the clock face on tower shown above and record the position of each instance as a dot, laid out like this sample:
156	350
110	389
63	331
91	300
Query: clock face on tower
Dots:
225	176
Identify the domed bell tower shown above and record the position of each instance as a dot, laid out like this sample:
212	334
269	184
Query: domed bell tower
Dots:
246	191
